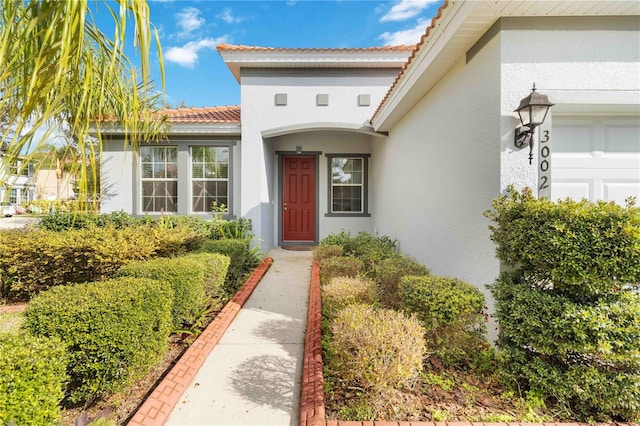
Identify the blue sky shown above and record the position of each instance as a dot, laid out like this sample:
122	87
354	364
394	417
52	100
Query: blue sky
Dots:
191	30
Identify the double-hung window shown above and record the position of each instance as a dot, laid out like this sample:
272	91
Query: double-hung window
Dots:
159	176
348	192
209	177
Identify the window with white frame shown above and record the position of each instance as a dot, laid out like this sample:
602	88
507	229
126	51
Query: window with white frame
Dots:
348	184
13	196
159	176
209	177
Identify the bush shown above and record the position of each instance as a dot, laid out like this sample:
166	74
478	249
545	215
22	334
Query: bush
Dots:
34	261
588	392
452	312
439	301
215	267
342	266
114	330
579	248
375	349
368	248
243	260
323	252
32	376
569	310
65	221
344	291
185	276
388	274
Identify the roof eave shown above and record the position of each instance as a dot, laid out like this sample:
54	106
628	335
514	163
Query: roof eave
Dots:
444	43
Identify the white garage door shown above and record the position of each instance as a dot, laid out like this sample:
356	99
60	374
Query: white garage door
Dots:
597	158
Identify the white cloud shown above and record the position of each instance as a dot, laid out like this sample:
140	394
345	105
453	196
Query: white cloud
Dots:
408	37
189	20
406	9
228	17
187	55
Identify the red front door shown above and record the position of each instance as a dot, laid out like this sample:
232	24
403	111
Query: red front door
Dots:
299	198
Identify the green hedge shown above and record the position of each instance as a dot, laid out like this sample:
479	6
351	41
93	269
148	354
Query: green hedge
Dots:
340	266
191	277
33	261
451	311
388	274
216	266
584	249
370	249
114	330
243	260
440	301
569	309
32	377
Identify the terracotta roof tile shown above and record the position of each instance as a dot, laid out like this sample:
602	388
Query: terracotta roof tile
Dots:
239	47
407	64
223	114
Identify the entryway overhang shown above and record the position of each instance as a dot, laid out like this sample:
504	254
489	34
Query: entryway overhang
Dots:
365	129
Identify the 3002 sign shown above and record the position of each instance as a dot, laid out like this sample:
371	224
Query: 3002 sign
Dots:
544	163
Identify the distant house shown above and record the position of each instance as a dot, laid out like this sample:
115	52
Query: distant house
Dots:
409	142
17	182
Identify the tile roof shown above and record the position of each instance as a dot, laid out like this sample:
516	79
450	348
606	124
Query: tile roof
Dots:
239	47
415	51
222	114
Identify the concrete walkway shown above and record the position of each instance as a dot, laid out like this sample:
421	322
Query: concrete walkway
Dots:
253	375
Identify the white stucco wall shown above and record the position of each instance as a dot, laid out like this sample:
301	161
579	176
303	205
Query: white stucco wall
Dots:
582	64
116	177
438	171
445	161
260	114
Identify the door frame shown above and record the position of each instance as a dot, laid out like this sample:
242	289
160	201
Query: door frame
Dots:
281	156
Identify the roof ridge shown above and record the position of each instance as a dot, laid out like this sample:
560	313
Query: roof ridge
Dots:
241	47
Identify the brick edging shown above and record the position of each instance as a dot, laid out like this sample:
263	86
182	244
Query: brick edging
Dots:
312	412
312	392
157	407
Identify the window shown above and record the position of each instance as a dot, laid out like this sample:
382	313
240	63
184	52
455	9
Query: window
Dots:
13	196
348	184
159	171
209	177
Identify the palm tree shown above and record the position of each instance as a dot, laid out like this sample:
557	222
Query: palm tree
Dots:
57	68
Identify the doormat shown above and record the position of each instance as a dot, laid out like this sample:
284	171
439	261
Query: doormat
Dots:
298	248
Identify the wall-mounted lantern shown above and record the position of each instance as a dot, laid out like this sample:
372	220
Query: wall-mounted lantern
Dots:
532	111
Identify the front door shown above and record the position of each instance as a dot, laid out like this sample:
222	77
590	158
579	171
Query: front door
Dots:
299	198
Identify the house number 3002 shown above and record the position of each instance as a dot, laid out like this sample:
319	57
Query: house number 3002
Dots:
545	164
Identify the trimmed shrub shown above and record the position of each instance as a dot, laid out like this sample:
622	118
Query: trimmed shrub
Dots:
114	330
323	252
451	311
370	249
33	261
32	378
578	248
185	276
439	301
345	291
215	267
243	260
569	310
342	266
376	349
388	274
